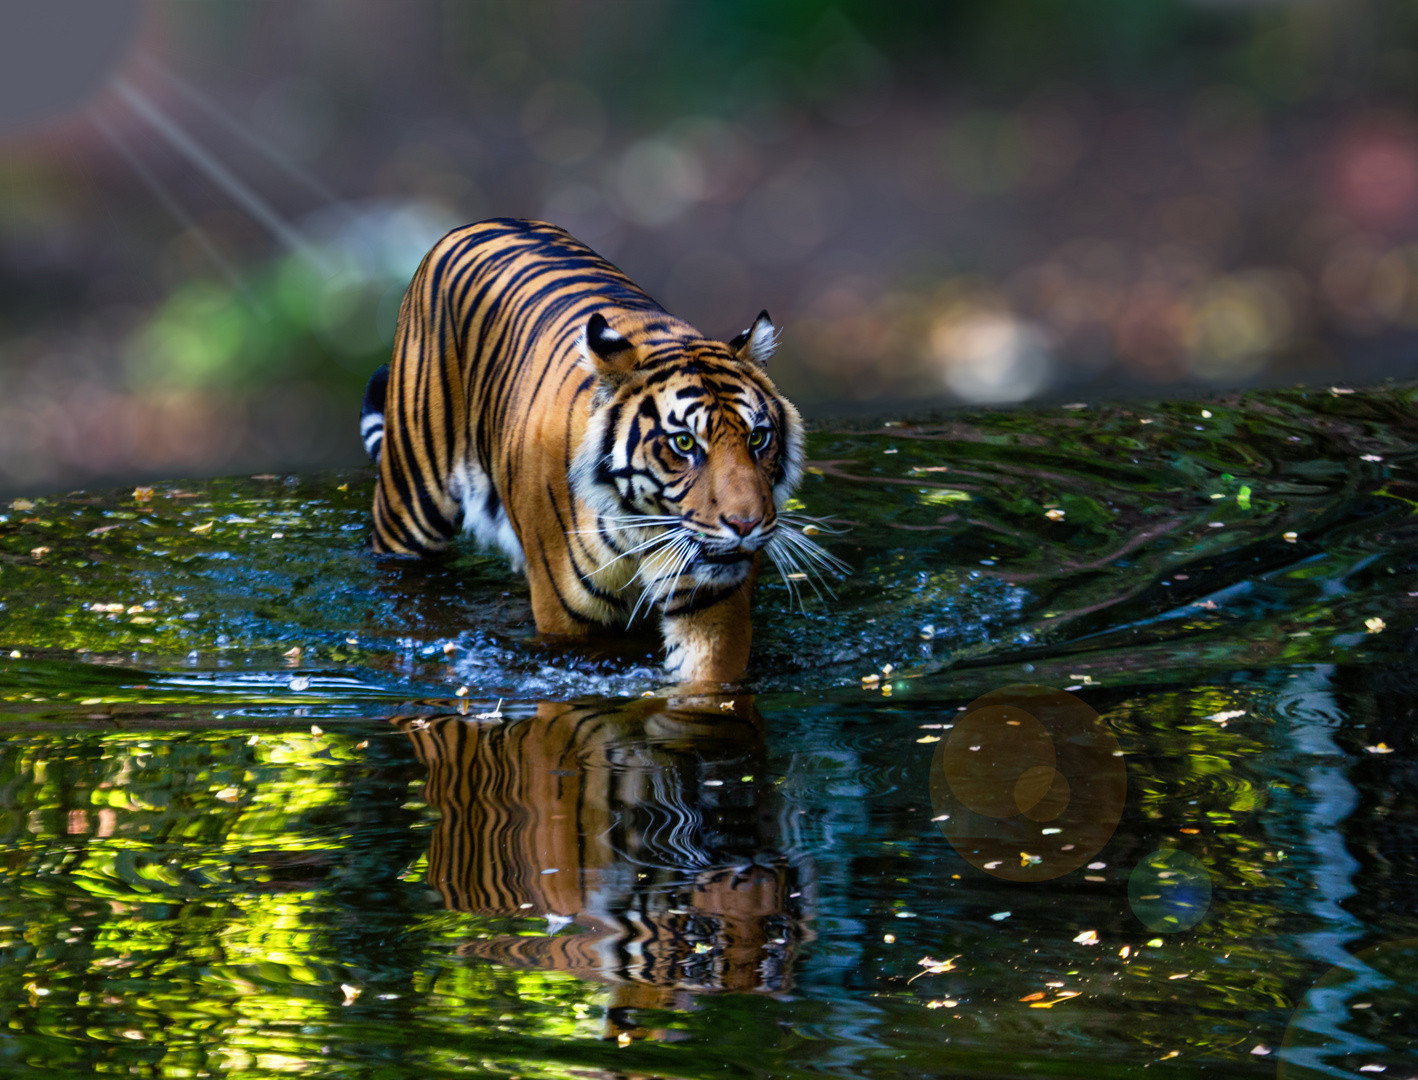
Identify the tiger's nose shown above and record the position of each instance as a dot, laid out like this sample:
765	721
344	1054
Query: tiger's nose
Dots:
742	526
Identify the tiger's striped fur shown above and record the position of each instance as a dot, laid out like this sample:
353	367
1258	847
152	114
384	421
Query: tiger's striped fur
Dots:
538	399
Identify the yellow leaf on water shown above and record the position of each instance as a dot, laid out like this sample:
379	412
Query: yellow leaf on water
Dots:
203	529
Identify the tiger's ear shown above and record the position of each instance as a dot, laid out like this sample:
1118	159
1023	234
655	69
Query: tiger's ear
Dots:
757	342
608	354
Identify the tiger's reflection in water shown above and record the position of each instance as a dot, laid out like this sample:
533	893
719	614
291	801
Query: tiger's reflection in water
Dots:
647	824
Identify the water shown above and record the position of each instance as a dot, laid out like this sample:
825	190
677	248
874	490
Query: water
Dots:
253	828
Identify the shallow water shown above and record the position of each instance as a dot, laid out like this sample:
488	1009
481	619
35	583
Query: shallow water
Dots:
252	829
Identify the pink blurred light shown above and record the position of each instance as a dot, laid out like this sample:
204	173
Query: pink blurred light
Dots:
1376	175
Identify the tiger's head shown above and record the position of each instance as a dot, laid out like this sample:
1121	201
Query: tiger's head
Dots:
690	452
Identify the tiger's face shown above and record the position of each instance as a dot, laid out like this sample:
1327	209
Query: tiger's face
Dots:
690	452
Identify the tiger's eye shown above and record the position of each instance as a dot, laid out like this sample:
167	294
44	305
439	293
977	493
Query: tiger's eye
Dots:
684	442
758	438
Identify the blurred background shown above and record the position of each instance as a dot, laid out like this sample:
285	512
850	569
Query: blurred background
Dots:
209	212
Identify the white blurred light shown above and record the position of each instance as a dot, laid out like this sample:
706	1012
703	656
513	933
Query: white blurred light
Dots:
657	181
991	356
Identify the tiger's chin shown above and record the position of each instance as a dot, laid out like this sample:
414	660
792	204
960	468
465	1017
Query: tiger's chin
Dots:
721	570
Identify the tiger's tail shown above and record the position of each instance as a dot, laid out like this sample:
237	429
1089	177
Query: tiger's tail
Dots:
371	413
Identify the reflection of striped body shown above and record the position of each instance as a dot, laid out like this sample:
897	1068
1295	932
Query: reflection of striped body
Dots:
601	816
541	401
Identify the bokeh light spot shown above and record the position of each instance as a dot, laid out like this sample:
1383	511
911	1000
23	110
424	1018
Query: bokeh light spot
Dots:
1169	890
1020	757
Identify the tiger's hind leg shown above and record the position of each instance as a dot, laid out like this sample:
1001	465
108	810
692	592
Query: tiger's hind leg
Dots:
414	512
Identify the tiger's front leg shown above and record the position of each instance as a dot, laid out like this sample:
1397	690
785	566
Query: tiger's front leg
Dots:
711	644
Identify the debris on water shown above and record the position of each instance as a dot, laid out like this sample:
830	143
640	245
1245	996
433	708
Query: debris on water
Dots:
1380	748
1375	625
927	632
495	714
998	916
462	691
1086	937
934	967
203	529
1223	718
869	681
300	682
1055	514
1291	537
929	739
1064	995
142	494
1260	1050
449	648
351	993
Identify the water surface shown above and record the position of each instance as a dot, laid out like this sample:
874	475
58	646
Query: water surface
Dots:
263	813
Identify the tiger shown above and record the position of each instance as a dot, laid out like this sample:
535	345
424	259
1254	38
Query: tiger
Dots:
541	401
598	816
